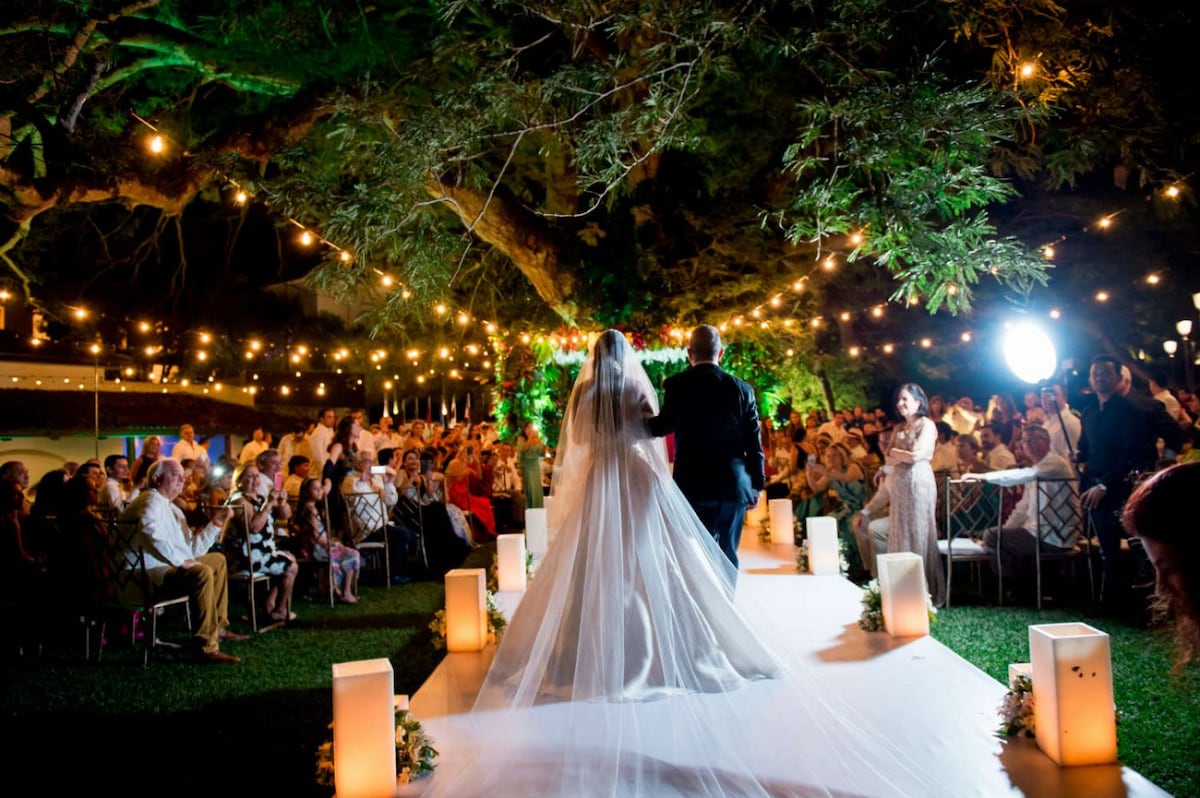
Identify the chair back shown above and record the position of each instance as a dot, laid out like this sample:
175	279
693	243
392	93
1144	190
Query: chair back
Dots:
1060	519
971	508
366	514
123	562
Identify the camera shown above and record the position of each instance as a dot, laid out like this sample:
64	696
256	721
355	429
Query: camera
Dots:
378	469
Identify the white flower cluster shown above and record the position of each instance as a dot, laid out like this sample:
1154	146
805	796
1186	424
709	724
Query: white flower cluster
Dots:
1016	711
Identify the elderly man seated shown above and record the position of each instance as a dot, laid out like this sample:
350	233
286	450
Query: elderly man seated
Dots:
1017	540
178	561
370	516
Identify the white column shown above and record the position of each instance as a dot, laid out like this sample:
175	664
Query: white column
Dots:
1073	713
822	544
903	593
466	609
364	729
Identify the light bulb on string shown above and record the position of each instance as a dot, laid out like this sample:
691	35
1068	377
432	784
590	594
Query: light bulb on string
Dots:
1048	252
240	197
1172	191
156	144
306	238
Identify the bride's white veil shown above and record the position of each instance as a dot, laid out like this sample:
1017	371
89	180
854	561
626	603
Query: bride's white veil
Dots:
626	669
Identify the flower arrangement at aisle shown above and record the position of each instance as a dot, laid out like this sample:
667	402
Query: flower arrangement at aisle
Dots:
496	624
871	619
415	753
1016	711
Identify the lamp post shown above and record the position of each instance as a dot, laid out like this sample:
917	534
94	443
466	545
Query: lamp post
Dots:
1184	328
1171	346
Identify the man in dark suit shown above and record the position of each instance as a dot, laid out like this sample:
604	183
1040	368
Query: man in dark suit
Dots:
718	451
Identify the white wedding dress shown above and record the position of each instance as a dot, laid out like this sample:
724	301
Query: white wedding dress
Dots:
627	670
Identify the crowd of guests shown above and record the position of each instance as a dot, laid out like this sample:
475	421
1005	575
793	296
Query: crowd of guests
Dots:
328	490
872	470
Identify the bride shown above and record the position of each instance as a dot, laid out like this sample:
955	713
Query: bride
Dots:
627	669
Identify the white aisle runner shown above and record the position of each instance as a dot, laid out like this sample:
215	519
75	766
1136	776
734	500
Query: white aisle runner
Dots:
916	694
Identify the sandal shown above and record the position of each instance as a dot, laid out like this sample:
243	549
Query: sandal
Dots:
291	616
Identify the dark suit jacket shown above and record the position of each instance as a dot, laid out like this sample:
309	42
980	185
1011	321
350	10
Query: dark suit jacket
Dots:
718	451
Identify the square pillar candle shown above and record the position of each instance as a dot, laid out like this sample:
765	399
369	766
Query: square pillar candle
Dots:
510	560
903	594
823	556
1073	708
537	537
364	729
466	609
782	521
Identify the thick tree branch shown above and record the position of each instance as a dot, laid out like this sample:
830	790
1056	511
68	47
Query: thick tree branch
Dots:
519	235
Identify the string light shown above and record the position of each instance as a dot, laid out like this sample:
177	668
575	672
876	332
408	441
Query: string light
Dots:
1027	70
240	197
1153	278
306	238
1172	191
156	144
1101	296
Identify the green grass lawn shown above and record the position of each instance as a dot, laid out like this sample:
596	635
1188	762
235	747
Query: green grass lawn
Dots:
181	728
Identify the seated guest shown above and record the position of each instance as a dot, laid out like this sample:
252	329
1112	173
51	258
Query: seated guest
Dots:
945	451
843	486
24	569
968	455
421	508
299	469
1156	513
508	504
996	454
178	560
464	469
1016	541
117	492
254	521
313	543
372	525
151	451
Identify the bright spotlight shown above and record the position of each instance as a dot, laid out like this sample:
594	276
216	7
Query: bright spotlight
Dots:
1029	353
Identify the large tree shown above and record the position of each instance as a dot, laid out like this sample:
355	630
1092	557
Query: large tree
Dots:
565	162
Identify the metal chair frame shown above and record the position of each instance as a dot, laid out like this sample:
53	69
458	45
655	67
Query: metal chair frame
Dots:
248	574
970	512
365	525
125	565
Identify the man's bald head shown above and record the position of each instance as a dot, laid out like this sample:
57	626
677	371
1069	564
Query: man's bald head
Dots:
705	345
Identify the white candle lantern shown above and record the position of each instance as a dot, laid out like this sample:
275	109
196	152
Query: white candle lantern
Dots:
466	609
364	729
782	521
510	556
537	537
759	514
1073	694
823	555
903	593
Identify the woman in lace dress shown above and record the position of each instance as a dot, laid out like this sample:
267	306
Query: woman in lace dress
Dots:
912	490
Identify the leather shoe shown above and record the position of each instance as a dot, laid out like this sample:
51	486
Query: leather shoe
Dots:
229	634
219	658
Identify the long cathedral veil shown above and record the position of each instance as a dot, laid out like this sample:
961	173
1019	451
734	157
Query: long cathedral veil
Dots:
626	670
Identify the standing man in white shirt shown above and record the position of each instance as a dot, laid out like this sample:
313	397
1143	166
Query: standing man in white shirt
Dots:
366	440
254	447
295	444
187	448
321	437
